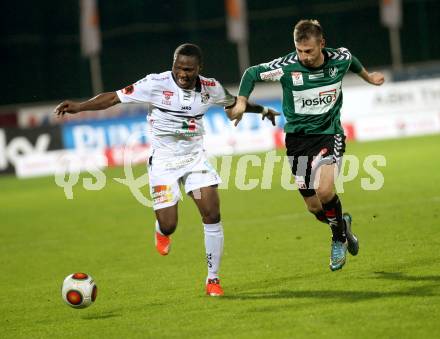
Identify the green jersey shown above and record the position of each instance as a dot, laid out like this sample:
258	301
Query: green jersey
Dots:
312	97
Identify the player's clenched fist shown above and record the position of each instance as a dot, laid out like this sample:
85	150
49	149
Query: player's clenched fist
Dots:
376	78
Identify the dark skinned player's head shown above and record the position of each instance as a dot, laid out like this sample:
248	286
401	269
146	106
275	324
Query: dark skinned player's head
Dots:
187	63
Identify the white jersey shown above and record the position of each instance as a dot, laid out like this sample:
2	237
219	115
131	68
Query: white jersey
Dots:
175	124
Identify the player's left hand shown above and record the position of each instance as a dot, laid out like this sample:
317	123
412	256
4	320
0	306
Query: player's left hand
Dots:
271	114
67	106
376	78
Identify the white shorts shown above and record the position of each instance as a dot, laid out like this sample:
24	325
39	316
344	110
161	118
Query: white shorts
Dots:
193	171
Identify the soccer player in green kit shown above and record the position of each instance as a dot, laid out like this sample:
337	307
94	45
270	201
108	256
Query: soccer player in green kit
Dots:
311	79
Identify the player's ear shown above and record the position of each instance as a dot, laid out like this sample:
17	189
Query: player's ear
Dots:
322	43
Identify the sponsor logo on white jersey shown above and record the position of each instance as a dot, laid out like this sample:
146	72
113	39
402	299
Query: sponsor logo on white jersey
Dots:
207	82
297	79
189	128
166	97
272	75
317	100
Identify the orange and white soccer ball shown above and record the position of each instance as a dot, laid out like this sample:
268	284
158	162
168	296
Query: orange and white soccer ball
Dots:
79	290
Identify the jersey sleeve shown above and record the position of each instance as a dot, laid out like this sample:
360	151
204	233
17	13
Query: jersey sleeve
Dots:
138	92
222	96
356	66
341	54
264	72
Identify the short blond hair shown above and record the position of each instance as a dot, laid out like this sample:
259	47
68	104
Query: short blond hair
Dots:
306	29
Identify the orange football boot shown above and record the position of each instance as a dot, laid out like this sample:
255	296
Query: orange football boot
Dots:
163	243
213	288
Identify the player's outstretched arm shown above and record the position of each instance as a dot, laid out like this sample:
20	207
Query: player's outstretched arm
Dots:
266	112
242	105
101	101
374	78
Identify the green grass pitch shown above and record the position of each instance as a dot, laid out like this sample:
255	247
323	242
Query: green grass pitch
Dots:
275	266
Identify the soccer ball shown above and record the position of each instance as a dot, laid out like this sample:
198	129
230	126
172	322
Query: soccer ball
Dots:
79	290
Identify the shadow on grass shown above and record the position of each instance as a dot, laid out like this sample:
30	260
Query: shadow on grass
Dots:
101	316
348	296
424	290
403	277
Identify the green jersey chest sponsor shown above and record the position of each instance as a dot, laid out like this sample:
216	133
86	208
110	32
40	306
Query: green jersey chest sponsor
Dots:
317	100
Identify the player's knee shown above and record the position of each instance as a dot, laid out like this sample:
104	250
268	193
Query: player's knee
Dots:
325	194
167	226
211	216
314	209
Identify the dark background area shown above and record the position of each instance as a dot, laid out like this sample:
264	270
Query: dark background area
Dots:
41	58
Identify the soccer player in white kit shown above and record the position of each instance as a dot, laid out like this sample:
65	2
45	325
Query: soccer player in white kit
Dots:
177	101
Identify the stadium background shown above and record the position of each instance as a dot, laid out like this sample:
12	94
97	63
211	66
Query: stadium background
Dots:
41	56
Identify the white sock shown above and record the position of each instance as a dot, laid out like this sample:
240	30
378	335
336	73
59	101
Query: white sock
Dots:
158	228
214	248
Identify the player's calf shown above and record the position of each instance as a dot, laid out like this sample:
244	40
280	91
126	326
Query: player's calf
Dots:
352	240
320	216
333	213
313	204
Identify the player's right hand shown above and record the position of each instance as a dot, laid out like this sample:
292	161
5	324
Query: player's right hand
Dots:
67	106
238	109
